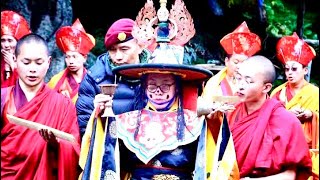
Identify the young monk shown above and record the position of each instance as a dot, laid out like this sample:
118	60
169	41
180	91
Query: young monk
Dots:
75	43
13	27
27	153
268	139
298	95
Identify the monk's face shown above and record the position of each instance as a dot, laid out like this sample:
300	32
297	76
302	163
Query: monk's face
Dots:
160	89
125	53
32	64
233	61
250	83
8	43
295	72
75	61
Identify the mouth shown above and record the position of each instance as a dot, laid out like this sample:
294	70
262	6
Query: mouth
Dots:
32	78
240	94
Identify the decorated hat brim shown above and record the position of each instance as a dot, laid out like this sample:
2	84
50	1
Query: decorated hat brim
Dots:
242	43
187	72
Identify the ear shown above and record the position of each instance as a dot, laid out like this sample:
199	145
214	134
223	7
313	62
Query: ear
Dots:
226	59
305	69
49	60
267	88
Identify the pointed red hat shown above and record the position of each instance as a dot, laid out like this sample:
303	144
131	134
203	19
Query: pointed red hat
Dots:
74	38
241	41
14	24
291	48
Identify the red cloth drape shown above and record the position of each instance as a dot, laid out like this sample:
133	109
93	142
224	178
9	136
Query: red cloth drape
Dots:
24	153
270	138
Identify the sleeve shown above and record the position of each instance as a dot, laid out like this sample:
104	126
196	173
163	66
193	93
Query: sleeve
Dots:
87	91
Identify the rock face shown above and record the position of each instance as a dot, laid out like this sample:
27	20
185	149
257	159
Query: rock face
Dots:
45	17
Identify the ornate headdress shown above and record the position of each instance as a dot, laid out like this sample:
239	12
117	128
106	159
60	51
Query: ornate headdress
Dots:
175	27
241	41
173	31
292	48
14	24
74	38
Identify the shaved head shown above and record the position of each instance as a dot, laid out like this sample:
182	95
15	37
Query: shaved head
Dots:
263	65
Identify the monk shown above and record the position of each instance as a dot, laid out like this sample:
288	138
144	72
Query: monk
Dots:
75	43
238	46
298	95
27	153
268	139
13	27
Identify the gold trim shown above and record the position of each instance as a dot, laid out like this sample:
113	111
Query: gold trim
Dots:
162	72
165	177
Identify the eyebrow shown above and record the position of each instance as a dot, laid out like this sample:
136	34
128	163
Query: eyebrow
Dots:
32	59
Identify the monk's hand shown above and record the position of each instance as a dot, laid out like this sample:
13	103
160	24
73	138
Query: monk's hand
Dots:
65	93
305	115
102	101
9	58
49	137
296	110
221	107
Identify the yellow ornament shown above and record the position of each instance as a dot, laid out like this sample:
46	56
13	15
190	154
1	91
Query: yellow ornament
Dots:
122	36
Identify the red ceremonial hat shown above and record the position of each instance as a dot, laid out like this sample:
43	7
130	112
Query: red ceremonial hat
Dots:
74	38
119	32
241	41
14	25
291	48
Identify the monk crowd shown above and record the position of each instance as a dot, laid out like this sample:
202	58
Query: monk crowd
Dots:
167	119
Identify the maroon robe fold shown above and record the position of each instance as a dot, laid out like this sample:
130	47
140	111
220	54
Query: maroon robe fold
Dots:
269	141
24	153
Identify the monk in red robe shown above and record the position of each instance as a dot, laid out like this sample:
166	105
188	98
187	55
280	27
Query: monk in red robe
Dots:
27	153
13	27
75	43
268	139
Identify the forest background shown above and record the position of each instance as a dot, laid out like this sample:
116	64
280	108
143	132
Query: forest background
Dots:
270	19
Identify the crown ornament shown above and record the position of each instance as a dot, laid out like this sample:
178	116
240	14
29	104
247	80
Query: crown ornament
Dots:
163	26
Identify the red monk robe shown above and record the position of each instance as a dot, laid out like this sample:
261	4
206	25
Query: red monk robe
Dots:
269	141
6	82
24	153
64	81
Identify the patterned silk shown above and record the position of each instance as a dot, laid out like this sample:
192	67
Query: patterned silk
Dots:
157	131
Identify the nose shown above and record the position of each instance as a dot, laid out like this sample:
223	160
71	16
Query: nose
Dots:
118	56
6	44
241	85
158	91
33	68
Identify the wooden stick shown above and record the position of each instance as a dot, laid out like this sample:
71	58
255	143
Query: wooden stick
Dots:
38	126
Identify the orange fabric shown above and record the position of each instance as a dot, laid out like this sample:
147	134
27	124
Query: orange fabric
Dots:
306	98
59	82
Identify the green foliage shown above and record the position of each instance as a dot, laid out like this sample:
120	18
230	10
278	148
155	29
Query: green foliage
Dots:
282	19
99	48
